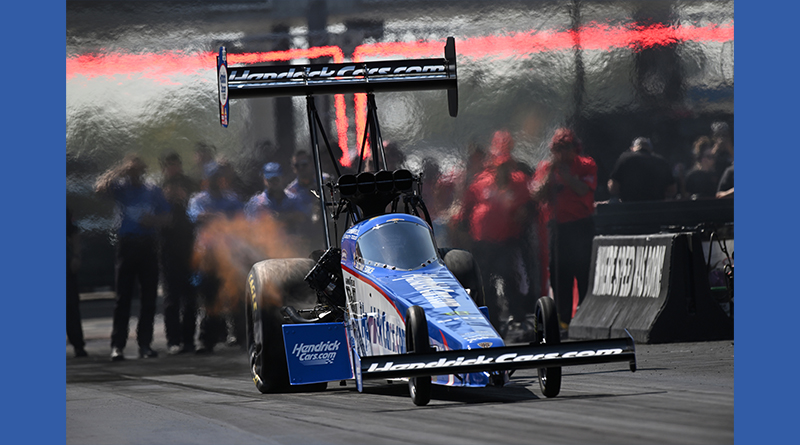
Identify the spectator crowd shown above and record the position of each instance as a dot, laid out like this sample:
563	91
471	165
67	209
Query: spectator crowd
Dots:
530	229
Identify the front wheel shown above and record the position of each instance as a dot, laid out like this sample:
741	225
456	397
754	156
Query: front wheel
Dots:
417	342
546	331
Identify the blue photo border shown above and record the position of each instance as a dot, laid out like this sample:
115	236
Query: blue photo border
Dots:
765	101
34	373
766	97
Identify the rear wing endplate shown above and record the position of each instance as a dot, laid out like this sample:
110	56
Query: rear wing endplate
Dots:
222	83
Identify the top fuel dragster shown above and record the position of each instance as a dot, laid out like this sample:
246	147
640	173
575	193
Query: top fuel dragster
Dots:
383	301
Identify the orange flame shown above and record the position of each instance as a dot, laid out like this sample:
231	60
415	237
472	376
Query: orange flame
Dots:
228	248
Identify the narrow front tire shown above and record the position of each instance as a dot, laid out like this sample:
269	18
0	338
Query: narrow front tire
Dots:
417	342
547	333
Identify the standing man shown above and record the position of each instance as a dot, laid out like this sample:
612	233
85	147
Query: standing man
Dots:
304	185
304	188
74	327
701	182
274	201
722	138
177	245
725	187
142	209
216	203
564	185
642	175
493	213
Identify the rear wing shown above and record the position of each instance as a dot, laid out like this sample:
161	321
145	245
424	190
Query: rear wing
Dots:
338	78
245	81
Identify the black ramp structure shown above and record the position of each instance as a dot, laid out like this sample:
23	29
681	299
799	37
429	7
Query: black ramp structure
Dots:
655	287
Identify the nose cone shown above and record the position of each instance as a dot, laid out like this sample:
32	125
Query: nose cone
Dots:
485	343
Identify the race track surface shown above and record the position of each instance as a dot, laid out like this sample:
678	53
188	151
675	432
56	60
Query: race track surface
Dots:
682	393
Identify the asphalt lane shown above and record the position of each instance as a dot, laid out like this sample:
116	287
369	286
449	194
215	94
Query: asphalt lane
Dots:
681	393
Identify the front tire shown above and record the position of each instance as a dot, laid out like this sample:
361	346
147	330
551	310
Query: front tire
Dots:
417	342
546	332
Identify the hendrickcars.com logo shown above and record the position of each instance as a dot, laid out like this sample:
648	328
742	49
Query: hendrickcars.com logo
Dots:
511	357
326	72
322	353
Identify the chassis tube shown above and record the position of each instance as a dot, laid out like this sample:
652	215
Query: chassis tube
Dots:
312	127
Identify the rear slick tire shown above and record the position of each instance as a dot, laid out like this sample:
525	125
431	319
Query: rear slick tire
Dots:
547	333
461	263
270	285
417	342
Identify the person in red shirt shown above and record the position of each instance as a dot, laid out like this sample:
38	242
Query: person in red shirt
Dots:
564	185
494	213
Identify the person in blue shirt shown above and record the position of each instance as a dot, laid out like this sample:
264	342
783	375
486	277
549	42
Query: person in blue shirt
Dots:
274	201
142	210
74	327
177	247
216	203
217	200
304	188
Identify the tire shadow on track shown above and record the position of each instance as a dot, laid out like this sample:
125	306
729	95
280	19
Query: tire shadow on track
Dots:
516	391
608	372
605	396
457	396
613	371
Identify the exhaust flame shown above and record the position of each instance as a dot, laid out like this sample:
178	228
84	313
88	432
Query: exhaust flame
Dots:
228	248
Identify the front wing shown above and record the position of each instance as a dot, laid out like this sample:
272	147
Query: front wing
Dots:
314	354
503	358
